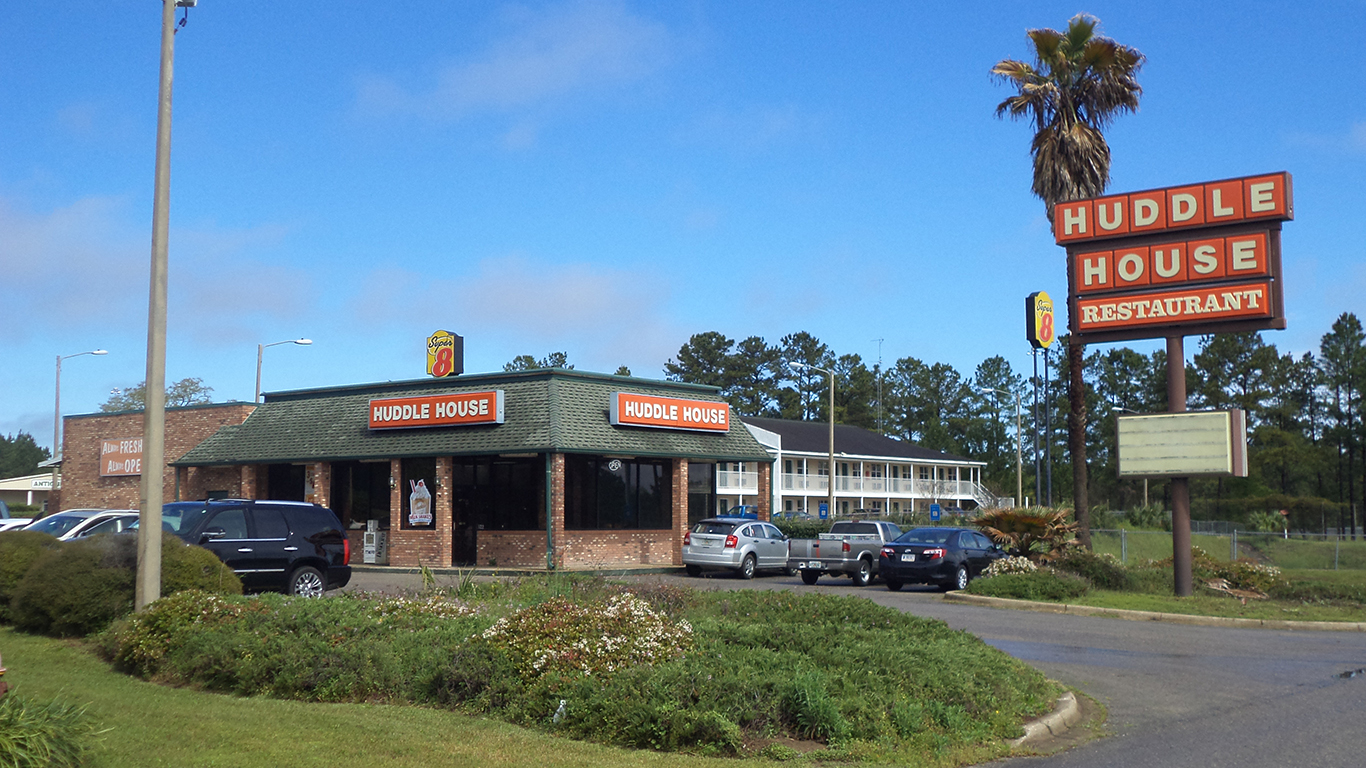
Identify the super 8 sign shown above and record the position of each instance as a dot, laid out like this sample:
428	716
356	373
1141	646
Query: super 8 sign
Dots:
1194	259
1039	328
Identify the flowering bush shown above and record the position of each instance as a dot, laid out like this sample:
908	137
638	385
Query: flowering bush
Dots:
592	638
1010	565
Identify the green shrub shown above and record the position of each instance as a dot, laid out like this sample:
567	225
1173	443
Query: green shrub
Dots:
1240	574
82	585
48	735
1011	564
1152	517
18	551
1043	584
1103	571
803	529
761	664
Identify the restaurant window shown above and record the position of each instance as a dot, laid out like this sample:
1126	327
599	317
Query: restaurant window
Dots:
418	491
499	494
701	490
616	494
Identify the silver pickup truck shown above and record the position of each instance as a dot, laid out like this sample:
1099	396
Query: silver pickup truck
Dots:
849	549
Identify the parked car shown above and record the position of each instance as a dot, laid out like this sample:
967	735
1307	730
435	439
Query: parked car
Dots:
746	511
58	524
947	557
7	521
281	546
849	549
106	521
734	543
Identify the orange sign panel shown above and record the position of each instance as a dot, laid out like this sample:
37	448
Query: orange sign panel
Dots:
121	458
1190	205
1204	304
633	410
448	410
1238	256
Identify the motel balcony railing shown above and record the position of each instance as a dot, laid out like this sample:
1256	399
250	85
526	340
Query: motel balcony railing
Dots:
792	483
727	480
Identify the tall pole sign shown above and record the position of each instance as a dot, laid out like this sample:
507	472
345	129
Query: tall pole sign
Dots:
1041	332
1168	263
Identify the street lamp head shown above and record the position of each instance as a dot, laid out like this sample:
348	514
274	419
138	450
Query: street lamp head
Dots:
100	352
303	342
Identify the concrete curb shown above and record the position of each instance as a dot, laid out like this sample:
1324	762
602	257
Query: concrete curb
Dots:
1055	723
631	570
1170	618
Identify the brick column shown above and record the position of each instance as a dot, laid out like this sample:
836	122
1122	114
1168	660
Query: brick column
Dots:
679	504
556	510
765	501
444	513
395	498
321	478
248	481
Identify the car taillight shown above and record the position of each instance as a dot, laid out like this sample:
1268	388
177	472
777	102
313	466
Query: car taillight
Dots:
888	552
346	550
687	538
732	542
932	554
846	546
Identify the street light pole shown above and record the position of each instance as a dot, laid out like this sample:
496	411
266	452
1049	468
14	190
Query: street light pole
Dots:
1019	449
260	348
57	415
830	476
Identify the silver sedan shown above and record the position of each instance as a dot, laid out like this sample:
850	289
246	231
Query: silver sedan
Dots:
736	544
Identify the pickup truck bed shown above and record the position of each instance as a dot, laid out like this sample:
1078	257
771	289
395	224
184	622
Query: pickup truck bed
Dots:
849	549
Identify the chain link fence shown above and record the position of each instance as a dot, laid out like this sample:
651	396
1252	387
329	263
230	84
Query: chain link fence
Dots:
1309	551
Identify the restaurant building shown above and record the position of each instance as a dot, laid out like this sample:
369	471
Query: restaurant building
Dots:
548	468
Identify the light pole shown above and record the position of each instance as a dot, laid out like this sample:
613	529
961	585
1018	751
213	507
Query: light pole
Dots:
1019	449
1117	409
830	477
57	417
148	584
262	348
57	411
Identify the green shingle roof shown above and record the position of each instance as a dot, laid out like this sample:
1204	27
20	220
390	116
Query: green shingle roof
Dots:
549	410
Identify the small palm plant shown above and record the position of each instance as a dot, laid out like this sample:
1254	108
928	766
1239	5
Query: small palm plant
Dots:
1039	534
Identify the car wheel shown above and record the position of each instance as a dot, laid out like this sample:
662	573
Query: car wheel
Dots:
960	581
693	570
747	567
864	574
790	571
810	577
307	581
893	586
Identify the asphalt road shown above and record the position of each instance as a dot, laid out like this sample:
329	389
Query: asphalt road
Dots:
1177	695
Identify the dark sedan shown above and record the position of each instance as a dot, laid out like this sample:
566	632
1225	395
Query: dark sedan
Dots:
947	557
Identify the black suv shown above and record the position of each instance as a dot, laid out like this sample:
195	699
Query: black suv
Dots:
281	546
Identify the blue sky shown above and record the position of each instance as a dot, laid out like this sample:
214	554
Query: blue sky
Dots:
607	178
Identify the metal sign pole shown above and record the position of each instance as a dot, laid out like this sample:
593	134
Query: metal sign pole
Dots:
1180	486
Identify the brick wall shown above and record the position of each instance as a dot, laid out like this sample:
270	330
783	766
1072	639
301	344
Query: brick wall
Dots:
512	549
599	549
680	508
82	485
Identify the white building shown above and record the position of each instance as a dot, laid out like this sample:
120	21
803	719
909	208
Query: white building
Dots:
872	472
29	490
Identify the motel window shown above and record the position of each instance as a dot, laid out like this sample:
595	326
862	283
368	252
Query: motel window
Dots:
616	494
875	470
787	466
924	473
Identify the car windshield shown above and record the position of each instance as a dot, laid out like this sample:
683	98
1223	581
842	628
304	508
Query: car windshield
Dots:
714	526
182	516
925	536
57	524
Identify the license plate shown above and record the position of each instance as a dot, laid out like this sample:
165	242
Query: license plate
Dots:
814	564
907	557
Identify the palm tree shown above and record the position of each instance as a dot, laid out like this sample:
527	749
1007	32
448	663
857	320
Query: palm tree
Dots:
1078	84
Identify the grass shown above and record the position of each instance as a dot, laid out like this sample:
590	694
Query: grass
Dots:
150	725
1309	554
1213	604
1155	545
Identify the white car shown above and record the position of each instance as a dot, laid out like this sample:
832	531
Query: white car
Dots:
108	521
67	524
738	544
14	523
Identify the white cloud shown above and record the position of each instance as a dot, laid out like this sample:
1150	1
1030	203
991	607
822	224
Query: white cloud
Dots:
602	317
77	267
1352	141
545	55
